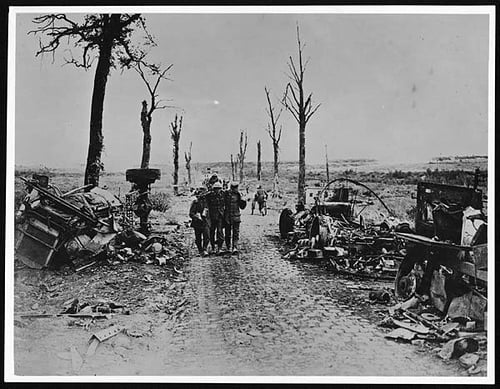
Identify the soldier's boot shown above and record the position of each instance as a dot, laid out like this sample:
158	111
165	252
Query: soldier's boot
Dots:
235	247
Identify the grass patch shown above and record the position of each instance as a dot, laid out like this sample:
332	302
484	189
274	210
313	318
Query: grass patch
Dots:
160	201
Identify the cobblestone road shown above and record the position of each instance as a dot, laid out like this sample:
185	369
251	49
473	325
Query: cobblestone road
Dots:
258	314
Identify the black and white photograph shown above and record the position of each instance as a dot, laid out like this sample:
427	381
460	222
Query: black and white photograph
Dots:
250	194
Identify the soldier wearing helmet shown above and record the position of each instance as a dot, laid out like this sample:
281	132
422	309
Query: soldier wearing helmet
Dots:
232	216
216	208
198	212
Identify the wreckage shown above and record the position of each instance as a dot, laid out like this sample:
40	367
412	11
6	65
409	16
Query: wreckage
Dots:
87	224
446	258
334	228
50	222
450	233
439	268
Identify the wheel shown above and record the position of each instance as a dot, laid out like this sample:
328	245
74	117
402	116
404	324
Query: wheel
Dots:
408	278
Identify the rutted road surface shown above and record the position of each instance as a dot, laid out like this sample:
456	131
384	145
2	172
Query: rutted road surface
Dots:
258	314
250	314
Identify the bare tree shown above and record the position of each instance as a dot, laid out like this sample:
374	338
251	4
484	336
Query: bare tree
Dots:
274	134
146	71
106	37
175	134
233	169
187	157
242	153
327	167
301	108
259	163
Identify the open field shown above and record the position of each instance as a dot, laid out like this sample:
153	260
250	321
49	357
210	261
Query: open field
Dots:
394	183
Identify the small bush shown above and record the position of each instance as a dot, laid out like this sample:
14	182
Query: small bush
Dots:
160	201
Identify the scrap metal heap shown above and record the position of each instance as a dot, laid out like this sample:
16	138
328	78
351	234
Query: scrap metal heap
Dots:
50	223
442	281
334	229
82	228
439	269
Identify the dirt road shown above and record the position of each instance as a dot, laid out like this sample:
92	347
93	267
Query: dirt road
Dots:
250	314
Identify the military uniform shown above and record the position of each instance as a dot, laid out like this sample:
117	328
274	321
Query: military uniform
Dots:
216	207
198	212
232	217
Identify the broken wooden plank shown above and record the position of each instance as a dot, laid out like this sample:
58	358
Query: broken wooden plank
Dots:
418	328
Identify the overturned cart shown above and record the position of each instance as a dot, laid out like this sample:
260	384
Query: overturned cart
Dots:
335	227
50	222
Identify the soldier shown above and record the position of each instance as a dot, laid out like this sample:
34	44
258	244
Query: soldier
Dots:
260	198
198	212
215	203
232	216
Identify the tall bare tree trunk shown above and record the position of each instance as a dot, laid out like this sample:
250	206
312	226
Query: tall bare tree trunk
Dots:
274	134
96	139
302	110
259	163
276	161
242	153
233	169
187	157
146	139
301	188
175	133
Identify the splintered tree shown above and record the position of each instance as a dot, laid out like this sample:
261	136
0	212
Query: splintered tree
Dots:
233	169
146	71
187	157
259	163
105	37
242	153
301	108
274	133
175	134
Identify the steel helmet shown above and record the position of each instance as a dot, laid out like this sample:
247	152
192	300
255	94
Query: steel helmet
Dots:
217	184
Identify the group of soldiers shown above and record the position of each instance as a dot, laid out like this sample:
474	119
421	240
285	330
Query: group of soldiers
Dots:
216	216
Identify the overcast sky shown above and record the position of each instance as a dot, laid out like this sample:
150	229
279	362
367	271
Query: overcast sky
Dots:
391	87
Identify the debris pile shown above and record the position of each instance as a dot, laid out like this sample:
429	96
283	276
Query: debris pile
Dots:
71	225
85	228
442	279
88	312
458	333
371	251
330	229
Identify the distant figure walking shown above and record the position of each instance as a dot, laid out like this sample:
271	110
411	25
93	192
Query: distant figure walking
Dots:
198	212
216	205
260	198
234	202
